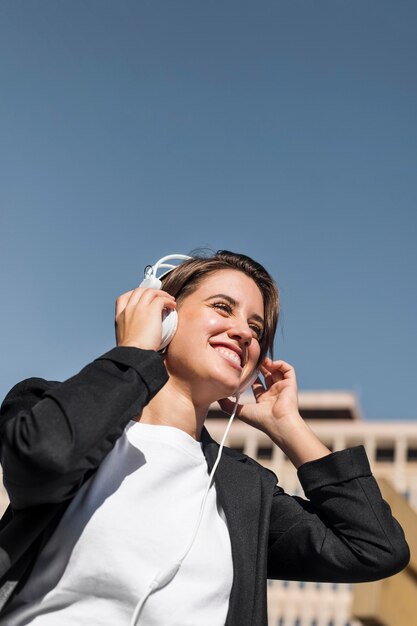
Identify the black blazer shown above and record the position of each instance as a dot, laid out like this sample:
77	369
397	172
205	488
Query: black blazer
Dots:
54	435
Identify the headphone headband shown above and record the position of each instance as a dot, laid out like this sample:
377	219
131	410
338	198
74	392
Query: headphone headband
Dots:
151	270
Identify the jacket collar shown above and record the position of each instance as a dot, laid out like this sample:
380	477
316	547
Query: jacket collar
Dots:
210	447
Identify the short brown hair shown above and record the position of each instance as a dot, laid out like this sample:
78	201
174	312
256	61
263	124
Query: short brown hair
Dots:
184	280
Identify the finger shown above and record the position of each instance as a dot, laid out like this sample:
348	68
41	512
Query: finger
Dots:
276	366
286	369
163	303
137	295
271	377
258	388
147	295
154	293
130	297
122	301
271	365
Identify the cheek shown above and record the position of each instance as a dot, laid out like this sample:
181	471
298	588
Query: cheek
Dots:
214	323
254	351
202	323
193	330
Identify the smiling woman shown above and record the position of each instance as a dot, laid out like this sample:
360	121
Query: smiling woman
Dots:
113	519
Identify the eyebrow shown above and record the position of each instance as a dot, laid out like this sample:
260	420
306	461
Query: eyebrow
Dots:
234	303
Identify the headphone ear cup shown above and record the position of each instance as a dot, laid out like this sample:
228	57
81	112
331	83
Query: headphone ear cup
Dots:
169	326
169	318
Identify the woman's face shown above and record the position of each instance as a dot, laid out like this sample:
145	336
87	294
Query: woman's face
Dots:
216	347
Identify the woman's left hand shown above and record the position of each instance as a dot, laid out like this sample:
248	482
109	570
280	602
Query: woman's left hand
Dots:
276	401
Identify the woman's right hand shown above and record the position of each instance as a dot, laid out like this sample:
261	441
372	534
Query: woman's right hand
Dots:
138	321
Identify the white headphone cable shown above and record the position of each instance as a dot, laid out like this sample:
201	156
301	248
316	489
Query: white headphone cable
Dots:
165	576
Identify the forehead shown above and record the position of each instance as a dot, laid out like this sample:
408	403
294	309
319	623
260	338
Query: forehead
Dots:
235	284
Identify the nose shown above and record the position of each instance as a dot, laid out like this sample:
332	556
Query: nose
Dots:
241	332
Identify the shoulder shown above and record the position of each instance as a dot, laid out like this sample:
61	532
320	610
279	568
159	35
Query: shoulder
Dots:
25	394
251	464
211	447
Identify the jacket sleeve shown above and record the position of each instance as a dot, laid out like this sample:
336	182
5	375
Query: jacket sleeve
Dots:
52	434
345	532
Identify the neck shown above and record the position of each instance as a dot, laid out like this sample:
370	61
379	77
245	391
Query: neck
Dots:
173	406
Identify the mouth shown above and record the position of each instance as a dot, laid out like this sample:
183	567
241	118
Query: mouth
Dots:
231	354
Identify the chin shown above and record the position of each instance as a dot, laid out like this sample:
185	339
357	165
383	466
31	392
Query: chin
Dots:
224	390
210	381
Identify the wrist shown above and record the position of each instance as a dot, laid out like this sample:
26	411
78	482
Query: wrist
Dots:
286	426
297	440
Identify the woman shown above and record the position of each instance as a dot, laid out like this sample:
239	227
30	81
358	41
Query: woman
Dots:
106	473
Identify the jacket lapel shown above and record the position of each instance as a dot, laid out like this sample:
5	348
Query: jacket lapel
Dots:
239	492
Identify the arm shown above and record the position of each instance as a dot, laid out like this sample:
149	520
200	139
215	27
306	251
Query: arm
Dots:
53	433
344	533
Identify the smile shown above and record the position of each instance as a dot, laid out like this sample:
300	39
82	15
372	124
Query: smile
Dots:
229	355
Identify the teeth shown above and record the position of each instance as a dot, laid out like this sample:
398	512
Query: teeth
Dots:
229	353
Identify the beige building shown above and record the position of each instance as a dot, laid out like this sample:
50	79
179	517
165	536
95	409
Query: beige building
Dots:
392	451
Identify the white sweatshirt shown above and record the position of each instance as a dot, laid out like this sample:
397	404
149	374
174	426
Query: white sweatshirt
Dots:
134	517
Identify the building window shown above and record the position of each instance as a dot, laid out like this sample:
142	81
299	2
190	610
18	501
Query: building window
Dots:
264	453
384	454
412	454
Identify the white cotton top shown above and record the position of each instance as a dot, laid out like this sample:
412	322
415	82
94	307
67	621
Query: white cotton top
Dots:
134	517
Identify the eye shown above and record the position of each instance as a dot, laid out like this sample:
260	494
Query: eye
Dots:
257	330
223	306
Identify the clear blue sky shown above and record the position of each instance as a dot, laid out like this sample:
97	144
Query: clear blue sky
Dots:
286	130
